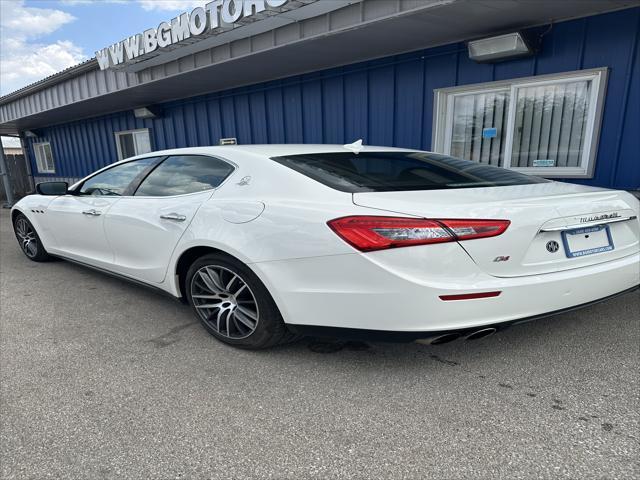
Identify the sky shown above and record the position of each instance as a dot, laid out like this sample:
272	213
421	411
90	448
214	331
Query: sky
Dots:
41	37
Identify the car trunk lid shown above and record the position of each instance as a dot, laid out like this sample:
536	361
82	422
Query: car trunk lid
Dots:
554	226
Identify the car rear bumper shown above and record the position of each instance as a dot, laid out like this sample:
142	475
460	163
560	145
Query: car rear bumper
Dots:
394	336
354	292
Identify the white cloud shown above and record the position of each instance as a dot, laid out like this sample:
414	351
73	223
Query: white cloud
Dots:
89	2
76	2
172	5
28	62
24	60
19	21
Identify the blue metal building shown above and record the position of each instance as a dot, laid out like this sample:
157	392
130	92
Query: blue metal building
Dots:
569	110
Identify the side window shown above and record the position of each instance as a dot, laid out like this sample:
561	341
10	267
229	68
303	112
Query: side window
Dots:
184	174
116	180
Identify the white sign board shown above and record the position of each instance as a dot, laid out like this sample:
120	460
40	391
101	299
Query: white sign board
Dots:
218	13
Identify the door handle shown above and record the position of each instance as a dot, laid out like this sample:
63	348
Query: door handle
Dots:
92	212
176	217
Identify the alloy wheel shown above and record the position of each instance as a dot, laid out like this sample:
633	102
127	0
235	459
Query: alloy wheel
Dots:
27	238
225	302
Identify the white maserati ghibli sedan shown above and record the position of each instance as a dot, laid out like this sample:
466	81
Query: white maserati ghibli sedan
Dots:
268	242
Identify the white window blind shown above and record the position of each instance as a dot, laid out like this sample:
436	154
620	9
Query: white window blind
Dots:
474	117
549	125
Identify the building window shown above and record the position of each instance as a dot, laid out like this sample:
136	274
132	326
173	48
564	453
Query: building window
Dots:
44	158
132	143
546	125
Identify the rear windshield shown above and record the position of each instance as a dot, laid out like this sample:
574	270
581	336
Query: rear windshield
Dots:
400	171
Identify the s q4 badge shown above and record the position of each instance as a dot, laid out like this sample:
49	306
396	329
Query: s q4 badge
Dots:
501	259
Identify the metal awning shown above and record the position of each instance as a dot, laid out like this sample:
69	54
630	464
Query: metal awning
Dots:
362	30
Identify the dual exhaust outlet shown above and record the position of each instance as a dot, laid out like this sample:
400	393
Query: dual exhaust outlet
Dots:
451	336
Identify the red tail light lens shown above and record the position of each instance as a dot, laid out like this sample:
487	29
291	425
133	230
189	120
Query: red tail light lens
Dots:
368	233
377	233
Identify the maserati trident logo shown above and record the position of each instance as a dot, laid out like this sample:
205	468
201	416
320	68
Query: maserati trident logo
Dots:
553	246
244	181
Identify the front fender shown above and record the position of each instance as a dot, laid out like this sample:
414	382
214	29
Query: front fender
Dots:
35	207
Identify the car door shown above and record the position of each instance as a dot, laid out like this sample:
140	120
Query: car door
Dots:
145	228
76	220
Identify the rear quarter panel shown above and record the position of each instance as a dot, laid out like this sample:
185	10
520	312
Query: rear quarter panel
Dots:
266	212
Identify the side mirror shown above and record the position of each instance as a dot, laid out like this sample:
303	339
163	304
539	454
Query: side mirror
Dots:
52	188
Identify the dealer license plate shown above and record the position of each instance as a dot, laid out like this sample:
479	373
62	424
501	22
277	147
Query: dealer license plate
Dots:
587	241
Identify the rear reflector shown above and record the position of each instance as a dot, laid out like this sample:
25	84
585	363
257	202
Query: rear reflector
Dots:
469	296
369	233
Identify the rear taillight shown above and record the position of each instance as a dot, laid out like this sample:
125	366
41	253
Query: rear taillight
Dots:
368	233
470	229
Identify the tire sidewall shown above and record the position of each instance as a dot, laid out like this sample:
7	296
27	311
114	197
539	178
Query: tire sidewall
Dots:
41	254
269	320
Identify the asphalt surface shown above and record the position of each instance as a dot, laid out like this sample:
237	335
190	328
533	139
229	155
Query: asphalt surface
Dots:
103	379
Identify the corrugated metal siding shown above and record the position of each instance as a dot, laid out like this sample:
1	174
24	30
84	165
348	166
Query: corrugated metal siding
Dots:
386	102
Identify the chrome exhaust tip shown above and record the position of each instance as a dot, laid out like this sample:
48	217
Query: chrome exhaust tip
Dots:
440	339
446	338
478	334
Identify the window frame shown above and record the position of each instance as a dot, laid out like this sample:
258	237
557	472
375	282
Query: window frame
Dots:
443	117
448	132
133	132
132	188
43	162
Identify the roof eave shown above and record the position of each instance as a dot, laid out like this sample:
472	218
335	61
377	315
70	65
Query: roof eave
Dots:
91	64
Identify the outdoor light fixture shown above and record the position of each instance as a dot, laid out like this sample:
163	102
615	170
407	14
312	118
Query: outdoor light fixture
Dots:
146	112
502	47
30	134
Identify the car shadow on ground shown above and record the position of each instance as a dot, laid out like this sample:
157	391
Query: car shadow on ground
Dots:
591	325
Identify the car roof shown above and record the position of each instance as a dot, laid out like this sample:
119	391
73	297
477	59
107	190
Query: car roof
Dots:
267	150
264	150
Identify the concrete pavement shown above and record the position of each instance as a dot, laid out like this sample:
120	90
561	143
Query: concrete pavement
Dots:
103	379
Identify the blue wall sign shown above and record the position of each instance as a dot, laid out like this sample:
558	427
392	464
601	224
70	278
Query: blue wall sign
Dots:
489	132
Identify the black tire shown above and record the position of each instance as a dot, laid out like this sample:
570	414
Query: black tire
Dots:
267	331
28	239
